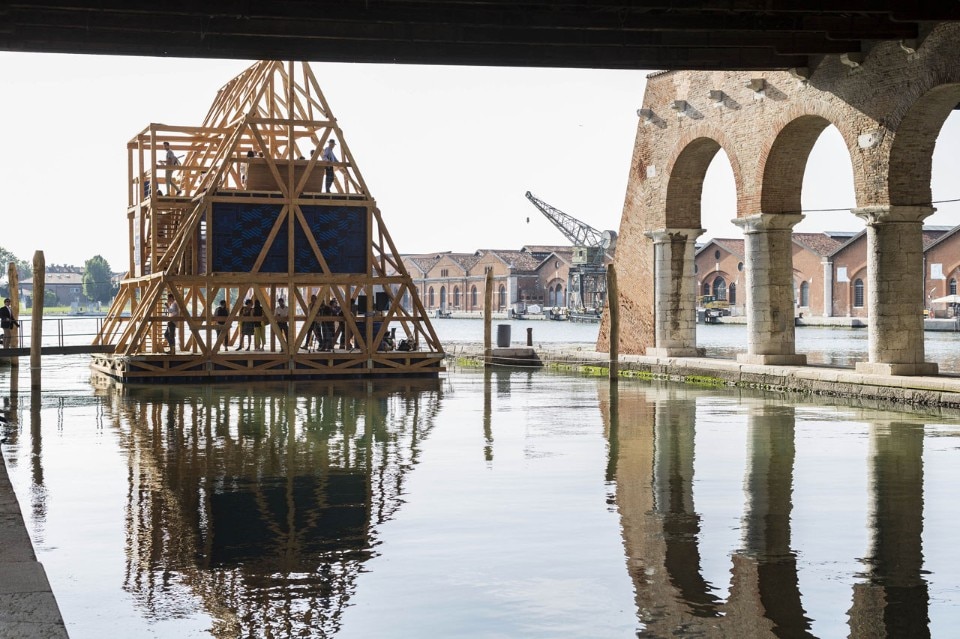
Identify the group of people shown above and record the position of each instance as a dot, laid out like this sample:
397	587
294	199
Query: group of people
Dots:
328	155
324	331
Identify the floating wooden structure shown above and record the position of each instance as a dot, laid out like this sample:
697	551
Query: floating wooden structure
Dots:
253	211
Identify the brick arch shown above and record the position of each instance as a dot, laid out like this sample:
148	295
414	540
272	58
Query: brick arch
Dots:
687	172
911	153
786	161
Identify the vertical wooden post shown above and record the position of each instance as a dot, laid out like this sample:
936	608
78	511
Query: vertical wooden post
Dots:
613	305
36	324
487	318
13	284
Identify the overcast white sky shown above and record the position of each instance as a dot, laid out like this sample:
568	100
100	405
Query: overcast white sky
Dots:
448	152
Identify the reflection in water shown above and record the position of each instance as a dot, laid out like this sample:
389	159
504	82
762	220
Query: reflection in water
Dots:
264	504
652	462
892	601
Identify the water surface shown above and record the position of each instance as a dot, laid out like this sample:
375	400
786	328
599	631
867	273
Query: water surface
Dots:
497	504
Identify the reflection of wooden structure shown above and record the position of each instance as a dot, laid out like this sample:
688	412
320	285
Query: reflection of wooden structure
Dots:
261	505
260	228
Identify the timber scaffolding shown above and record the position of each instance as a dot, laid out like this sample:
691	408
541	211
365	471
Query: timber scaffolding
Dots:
253	210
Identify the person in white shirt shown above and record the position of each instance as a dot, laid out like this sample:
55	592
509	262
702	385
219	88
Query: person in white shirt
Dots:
329	156
173	311
170	162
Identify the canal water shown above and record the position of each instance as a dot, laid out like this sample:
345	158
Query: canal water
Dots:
484	504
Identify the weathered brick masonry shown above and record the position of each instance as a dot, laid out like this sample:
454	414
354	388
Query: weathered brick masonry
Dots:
889	109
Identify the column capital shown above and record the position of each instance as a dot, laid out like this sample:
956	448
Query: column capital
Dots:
659	236
892	214
763	222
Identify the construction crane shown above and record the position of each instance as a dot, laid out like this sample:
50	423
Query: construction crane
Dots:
587	282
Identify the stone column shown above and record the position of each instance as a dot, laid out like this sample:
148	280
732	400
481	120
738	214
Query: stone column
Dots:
770	305
827	287
895	290
675	293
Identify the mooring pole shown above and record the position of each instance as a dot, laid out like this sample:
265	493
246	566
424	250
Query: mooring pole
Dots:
487	318
13	284
36	315
613	304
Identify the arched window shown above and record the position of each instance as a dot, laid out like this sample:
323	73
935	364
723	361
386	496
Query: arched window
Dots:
720	288
503	297
456	296
732	293
858	293
473	298
952	286
430	297
804	293
706	288
443	297
560	300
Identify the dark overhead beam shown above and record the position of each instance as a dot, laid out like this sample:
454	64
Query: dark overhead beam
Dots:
639	34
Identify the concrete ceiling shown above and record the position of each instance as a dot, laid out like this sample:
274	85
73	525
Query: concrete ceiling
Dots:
640	34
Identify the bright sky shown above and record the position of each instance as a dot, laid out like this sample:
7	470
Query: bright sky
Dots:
448	152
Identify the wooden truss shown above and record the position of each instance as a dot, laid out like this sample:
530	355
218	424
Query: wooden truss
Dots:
252	210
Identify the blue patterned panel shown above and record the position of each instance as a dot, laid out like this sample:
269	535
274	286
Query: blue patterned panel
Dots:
341	234
238	234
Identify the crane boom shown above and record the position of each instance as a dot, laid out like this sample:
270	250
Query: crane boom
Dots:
579	233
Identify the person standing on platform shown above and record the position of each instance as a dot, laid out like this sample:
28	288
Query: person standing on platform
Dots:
8	321
221	315
329	156
170	162
282	314
246	324
259	338
173	311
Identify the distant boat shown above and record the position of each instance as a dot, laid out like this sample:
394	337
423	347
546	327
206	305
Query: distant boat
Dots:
588	316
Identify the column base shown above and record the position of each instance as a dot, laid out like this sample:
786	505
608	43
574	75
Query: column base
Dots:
675	351
923	368
773	360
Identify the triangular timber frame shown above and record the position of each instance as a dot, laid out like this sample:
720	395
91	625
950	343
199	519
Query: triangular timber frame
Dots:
282	223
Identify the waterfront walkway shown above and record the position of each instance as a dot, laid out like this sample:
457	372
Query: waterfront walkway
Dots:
886	391
28	609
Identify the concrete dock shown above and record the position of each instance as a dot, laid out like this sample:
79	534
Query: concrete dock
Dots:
937	392
28	609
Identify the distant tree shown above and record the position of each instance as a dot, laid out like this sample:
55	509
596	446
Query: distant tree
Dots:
97	284
24	268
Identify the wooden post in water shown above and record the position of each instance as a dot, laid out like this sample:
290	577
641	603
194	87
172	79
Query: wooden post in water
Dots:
487	318
36	324
613	304
13	284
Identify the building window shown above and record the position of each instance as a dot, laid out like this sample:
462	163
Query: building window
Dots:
444	272
503	297
556	264
456	296
716	254
430	297
952	286
858	293
720	289
804	293
732	293
696	269
443	297
740	266
473	298
706	288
